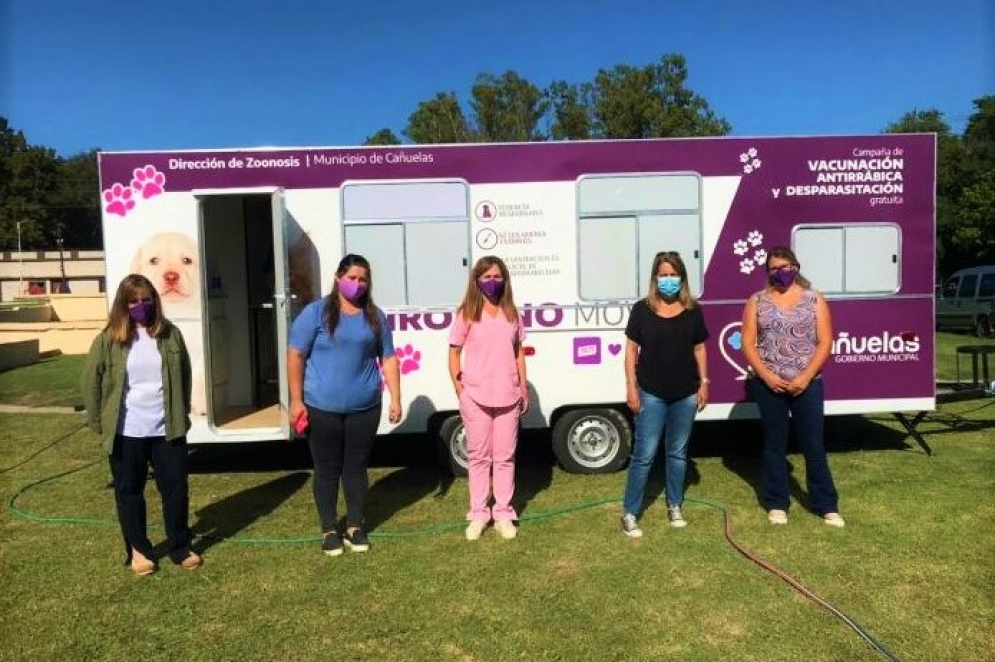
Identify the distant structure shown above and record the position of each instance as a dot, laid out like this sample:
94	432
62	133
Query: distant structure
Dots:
40	273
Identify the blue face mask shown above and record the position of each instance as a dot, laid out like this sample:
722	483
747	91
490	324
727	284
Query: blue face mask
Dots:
668	286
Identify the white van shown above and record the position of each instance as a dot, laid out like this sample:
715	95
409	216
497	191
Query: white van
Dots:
966	301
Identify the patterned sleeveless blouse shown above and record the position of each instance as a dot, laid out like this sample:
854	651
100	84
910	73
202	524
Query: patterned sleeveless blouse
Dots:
786	339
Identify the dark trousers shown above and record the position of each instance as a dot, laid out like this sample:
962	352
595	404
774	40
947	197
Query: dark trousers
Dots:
129	462
806	414
340	448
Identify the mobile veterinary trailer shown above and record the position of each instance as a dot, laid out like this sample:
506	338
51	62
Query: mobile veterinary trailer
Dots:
236	241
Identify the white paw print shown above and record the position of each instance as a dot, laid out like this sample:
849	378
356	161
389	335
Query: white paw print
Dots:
750	161
740	247
755	238
760	256
746	266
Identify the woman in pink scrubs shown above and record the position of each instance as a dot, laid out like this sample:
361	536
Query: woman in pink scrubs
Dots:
487	367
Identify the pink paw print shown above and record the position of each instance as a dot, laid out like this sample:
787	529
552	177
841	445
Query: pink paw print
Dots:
409	357
148	181
119	201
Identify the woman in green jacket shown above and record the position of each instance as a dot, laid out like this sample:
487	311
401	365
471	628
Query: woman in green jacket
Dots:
136	387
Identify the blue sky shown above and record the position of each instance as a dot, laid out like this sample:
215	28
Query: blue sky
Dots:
182	74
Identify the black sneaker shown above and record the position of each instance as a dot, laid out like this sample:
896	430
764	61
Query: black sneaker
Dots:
357	541
331	544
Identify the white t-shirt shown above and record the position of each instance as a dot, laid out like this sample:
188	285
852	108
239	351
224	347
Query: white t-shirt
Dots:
144	408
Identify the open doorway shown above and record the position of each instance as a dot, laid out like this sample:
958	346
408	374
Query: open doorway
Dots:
242	357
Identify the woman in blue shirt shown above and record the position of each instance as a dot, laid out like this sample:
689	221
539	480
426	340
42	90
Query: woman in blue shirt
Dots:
337	347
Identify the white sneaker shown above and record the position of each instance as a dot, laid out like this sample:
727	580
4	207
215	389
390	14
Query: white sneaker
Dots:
834	519
506	528
777	516
630	526
475	529
676	517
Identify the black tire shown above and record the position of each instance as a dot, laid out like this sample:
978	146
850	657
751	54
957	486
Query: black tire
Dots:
451	439
983	326
592	441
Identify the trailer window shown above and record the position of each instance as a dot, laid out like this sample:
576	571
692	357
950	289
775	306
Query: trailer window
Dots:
850	259
415	235
625	220
987	287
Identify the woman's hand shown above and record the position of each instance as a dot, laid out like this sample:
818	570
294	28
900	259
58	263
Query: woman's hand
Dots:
798	385
524	403
395	411
632	399
776	383
702	396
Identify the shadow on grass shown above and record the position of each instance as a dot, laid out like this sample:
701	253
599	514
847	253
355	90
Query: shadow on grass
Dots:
230	516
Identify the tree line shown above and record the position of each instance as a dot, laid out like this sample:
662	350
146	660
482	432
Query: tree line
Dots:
57	198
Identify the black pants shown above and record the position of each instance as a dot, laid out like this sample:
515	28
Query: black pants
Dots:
130	468
340	448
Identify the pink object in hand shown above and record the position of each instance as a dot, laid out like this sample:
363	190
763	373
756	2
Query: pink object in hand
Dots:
300	423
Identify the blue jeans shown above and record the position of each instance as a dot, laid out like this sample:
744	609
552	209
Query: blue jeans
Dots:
805	413
658	417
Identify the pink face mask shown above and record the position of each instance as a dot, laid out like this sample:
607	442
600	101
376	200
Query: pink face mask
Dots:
352	289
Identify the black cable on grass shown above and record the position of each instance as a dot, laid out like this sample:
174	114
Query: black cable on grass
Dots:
42	449
861	631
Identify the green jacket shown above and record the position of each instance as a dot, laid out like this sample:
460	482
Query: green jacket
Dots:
104	378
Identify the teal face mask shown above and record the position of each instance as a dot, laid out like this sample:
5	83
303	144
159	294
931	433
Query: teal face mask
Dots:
668	286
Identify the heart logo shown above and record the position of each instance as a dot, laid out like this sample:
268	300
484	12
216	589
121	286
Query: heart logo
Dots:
615	348
731	337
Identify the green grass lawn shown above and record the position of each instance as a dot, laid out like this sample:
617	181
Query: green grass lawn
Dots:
914	565
52	382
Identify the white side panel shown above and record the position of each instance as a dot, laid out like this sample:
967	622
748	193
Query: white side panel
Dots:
820	252
607	251
383	246
872	259
441	280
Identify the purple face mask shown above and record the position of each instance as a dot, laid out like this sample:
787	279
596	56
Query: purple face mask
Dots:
492	289
142	313
352	289
783	277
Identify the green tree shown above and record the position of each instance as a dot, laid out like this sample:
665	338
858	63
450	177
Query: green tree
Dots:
950	176
570	113
650	102
76	205
29	181
382	137
507	108
440	120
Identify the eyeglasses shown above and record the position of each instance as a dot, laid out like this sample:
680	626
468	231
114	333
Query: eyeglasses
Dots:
780	267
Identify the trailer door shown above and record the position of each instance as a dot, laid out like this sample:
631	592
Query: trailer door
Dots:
281	302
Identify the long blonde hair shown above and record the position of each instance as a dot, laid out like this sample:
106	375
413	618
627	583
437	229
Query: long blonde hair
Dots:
673	258
119	322
472	306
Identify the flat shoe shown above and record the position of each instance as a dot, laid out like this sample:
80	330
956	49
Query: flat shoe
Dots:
834	519
143	568
192	562
777	516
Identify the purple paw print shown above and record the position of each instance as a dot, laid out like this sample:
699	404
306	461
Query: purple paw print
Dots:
148	181
409	357
119	200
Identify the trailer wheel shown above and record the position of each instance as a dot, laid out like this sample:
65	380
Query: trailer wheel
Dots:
983	326
451	439
592	441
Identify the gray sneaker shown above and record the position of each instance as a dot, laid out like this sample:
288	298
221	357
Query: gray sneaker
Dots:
630	527
676	517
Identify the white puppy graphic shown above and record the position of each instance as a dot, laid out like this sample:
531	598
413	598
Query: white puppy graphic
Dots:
171	262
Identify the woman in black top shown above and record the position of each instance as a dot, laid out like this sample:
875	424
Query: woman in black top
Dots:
666	380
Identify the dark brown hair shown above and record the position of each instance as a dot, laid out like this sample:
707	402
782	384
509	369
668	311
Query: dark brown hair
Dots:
786	253
365	302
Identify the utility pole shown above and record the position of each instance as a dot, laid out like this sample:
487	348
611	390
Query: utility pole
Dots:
63	286
20	261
